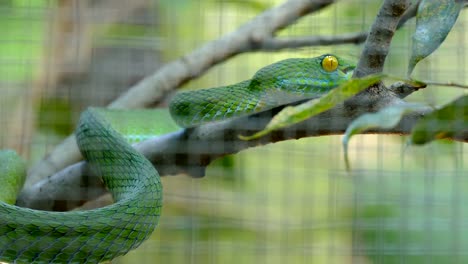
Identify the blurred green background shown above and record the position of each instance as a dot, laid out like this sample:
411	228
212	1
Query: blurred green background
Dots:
290	202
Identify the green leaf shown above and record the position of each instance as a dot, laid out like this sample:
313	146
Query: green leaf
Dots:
385	118
450	120
434	20
294	114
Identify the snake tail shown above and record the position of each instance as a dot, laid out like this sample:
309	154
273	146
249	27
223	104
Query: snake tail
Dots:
33	236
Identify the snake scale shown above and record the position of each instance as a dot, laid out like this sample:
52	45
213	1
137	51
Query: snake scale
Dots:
32	236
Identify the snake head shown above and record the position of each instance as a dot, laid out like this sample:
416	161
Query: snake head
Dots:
305	75
280	83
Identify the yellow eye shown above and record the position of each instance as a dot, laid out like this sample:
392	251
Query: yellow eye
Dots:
330	63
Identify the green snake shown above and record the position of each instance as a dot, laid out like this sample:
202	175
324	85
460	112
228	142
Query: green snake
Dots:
32	236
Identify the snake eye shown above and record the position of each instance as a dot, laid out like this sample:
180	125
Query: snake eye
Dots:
329	63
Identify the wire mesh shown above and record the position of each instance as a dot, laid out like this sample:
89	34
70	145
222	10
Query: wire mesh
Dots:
289	202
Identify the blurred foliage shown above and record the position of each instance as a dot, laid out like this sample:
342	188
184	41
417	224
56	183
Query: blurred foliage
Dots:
55	117
392	207
448	121
22	36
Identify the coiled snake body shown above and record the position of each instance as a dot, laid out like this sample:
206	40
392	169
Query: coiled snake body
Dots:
32	236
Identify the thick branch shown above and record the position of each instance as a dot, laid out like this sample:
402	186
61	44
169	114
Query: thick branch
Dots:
190	151
373	57
249	37
378	42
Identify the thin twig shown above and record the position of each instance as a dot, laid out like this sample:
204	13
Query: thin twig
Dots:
450	84
275	44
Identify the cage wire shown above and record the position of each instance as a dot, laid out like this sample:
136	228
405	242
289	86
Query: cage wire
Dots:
288	202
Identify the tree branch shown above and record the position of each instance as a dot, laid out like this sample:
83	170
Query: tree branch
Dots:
373	57
377	44
275	44
190	151
249	37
